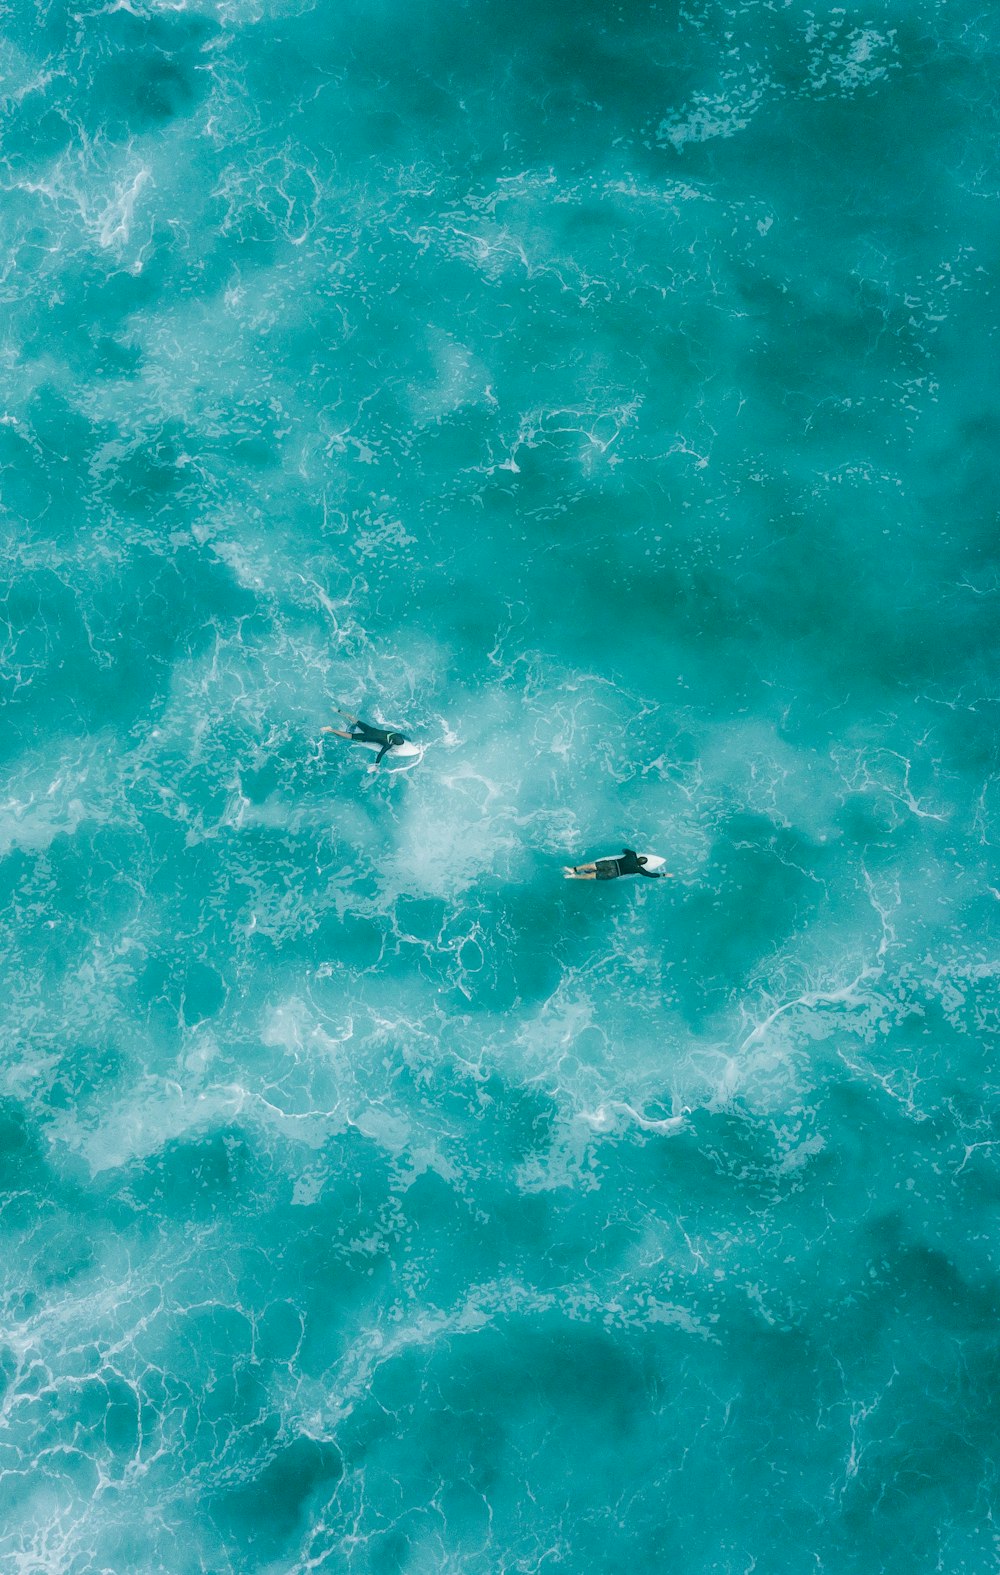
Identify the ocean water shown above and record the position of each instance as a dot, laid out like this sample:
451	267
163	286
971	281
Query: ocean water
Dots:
606	393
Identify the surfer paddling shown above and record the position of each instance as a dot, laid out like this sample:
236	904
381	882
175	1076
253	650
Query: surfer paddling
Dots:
630	863
364	733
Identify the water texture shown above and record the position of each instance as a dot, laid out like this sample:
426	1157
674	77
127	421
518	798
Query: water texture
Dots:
606	394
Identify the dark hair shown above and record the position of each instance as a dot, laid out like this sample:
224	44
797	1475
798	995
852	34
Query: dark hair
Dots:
396	738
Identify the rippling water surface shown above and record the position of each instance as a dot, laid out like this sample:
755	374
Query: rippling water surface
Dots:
605	393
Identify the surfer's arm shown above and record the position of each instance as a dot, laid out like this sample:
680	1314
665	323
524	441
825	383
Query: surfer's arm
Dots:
383	751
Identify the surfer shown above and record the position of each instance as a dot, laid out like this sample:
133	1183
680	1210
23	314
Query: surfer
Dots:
364	733
631	863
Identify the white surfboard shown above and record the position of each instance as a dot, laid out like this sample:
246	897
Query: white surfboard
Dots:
653	860
401	757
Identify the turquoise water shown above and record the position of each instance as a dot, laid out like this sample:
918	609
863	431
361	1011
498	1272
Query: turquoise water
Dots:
606	394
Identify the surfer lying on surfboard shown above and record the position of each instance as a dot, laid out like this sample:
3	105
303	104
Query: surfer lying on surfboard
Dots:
630	863
364	733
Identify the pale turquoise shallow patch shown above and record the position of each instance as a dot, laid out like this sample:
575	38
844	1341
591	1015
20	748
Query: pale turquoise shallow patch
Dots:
607	395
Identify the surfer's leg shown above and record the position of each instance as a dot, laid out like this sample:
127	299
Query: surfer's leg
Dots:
338	731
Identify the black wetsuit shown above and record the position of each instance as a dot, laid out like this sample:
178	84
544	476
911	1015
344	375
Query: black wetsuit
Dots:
362	733
630	864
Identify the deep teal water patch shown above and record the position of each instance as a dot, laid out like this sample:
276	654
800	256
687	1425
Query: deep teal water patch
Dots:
607	396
